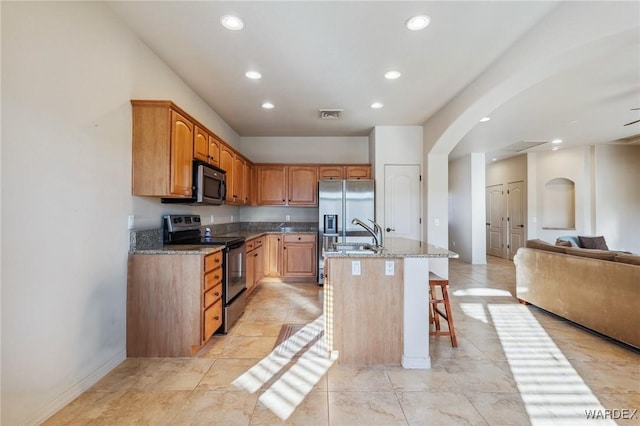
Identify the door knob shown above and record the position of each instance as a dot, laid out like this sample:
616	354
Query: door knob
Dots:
390	229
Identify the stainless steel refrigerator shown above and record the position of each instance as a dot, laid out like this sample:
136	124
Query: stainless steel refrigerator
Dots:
339	202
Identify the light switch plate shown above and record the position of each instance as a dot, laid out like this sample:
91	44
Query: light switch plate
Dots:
389	267
355	267
131	222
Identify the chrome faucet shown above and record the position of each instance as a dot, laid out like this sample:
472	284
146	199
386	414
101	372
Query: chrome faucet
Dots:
376	232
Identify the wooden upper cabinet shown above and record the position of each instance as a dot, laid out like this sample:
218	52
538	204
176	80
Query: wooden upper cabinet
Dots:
331	172
181	155
272	185
302	188
227	158
200	144
214	151
248	172
162	150
238	180
358	172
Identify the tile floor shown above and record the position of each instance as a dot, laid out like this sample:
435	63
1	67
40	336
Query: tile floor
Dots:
514	365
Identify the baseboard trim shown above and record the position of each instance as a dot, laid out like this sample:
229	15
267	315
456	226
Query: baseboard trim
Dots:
75	390
417	363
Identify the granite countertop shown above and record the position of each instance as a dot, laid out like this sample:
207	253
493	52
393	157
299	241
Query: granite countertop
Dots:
400	248
249	235
179	249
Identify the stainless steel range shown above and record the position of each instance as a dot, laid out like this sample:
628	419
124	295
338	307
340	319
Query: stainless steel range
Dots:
186	229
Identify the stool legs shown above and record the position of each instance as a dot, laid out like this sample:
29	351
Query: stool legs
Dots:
435	313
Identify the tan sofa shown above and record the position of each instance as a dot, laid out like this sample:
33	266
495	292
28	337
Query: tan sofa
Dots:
602	295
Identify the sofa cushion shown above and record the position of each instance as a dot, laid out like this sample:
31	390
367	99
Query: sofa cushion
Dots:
543	245
592	253
593	242
628	258
571	239
563	243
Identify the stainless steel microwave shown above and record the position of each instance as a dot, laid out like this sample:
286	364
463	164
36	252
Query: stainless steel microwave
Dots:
209	186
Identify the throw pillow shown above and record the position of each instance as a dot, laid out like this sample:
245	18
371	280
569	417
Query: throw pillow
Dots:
563	243
593	242
591	253
543	245
628	258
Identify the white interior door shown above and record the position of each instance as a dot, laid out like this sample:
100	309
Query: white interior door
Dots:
495	242
515	203
402	201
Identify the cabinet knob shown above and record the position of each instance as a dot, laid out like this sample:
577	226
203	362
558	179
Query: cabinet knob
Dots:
217	260
283	201
217	277
255	255
217	318
217	293
299	238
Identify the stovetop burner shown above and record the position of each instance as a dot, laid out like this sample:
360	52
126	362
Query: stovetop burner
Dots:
185	229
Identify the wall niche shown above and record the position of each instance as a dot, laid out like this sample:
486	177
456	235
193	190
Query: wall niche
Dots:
559	204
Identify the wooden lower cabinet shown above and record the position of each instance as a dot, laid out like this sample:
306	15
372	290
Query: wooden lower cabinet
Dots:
291	257
255	252
300	258
174	303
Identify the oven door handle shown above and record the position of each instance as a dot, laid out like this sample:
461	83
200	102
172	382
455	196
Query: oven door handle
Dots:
222	192
235	246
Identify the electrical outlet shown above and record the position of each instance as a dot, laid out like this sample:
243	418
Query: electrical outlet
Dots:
211	219
130	222
436	222
231	218
389	267
355	267
287	218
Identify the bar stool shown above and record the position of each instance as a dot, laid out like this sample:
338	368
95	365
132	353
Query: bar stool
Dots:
435	313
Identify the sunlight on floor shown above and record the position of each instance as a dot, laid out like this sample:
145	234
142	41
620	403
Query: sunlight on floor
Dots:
552	391
475	311
294	383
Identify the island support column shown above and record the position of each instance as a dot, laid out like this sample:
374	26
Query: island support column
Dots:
416	313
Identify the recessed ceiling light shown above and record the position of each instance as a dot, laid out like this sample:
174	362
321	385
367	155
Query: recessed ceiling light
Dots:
418	22
232	22
494	159
267	105
392	75
253	75
556	141
376	105
485	119
555	148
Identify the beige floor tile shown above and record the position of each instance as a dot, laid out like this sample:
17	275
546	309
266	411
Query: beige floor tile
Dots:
139	408
365	408
123	377
224	371
358	378
434	379
216	408
231	346
172	374
261	328
313	411
500	408
610	377
439	408
88	407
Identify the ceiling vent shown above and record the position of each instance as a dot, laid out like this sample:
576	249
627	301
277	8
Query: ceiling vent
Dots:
629	140
524	145
330	114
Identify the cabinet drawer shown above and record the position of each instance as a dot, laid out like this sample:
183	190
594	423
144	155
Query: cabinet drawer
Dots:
258	242
212	295
299	238
250	245
212	278
212	261
212	320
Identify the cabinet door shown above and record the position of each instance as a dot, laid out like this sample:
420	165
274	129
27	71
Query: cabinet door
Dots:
251	271
303	186
331	172
238	180
227	158
248	199
299	259
259	268
214	151
272	259
272	185
181	155
201	145
358	172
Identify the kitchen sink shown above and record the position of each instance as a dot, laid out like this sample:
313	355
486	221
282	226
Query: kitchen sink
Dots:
353	248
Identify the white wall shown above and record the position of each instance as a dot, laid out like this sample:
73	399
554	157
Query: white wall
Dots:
617	195
348	149
467	208
69	71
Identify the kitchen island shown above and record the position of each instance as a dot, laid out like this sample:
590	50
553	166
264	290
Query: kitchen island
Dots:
376	304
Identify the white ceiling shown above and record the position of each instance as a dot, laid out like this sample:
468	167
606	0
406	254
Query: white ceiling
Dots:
324	54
